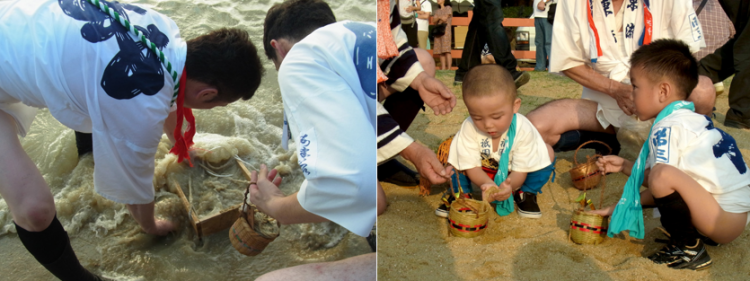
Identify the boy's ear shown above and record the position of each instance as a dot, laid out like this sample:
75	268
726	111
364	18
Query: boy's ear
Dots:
516	105
665	91
207	94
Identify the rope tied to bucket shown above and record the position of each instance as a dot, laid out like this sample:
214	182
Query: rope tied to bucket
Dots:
183	142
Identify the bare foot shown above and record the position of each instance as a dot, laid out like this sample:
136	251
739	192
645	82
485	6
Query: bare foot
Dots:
161	228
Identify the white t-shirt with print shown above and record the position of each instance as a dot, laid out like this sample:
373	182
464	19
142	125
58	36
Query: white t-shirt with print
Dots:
327	83
94	77
471	146
424	25
689	142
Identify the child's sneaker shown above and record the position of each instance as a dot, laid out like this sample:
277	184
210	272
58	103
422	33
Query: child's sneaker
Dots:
679	257
527	206
445	207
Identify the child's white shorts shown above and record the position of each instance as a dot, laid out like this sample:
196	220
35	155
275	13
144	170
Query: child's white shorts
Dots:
737	201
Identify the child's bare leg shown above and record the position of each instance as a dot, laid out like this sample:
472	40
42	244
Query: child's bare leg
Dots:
711	219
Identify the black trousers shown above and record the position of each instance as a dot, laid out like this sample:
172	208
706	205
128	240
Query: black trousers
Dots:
486	27
411	33
733	59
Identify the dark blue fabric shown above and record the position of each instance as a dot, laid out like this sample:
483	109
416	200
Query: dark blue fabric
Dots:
536	180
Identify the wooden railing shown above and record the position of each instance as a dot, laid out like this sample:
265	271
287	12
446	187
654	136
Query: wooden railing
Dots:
508	22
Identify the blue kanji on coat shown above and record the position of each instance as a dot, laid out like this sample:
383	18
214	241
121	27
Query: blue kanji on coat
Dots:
131	71
727	146
365	59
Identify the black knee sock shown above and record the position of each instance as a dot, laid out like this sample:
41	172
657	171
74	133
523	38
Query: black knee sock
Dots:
84	143
570	140
51	247
676	219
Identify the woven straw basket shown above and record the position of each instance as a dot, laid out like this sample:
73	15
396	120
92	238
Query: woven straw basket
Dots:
244	237
588	228
425	185
468	217
586	175
444	149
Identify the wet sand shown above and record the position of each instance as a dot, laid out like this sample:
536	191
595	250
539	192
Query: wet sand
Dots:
103	234
414	244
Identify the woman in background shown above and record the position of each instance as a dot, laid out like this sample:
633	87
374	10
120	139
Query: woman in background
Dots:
443	43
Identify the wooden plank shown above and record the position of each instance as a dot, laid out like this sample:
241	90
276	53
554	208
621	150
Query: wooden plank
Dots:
518	22
245	171
185	203
220	221
508	22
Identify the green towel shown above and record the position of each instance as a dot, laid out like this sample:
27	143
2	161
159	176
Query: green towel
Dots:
505	207
628	214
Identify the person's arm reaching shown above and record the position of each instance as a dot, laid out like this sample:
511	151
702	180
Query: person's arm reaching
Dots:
266	195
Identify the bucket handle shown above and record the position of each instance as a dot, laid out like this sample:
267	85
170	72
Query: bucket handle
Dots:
575	156
602	183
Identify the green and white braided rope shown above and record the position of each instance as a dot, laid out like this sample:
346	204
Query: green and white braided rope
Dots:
104	8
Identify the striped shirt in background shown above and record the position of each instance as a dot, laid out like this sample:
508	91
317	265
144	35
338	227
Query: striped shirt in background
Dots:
401	71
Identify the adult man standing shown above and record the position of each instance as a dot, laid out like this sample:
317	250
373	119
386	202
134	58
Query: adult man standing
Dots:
327	81
486	27
94	76
543	40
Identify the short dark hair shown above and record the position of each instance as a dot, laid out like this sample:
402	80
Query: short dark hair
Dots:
487	80
294	20
447	3
668	58
225	59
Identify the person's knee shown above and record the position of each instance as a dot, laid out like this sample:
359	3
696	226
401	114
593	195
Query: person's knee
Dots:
34	215
658	180
703	96
426	60
382	206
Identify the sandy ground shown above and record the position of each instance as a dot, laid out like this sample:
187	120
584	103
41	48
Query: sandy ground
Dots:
414	244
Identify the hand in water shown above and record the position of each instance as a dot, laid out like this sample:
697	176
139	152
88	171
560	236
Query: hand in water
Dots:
264	188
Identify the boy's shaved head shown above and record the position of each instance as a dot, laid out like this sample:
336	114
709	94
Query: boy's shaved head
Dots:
487	80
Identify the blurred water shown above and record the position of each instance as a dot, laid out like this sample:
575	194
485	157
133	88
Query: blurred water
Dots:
105	237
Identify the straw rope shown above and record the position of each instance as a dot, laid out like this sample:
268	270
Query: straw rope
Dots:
104	8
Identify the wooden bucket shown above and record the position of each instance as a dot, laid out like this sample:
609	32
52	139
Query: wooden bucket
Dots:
586	175
588	228
243	235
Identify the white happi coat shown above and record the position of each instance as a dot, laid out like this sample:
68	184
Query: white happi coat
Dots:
573	44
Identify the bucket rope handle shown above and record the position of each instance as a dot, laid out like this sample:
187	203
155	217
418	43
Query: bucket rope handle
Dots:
104	8
575	156
602	183
251	210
